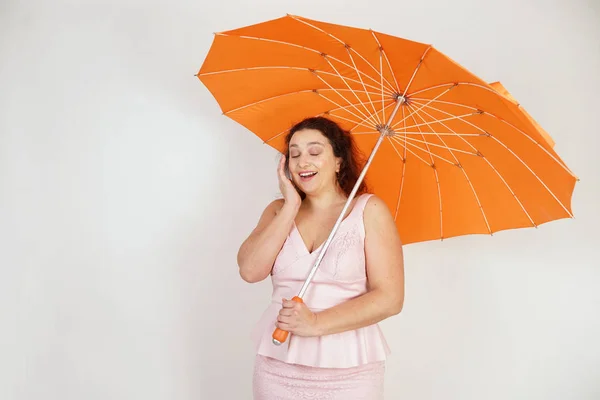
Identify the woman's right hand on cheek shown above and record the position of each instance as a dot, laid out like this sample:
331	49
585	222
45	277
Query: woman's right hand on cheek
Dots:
289	192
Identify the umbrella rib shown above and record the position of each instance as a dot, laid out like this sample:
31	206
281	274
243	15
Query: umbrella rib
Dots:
429	164
489	163
382	97
411	95
354	93
406	149
433	133
461	168
424	140
226	71
300	47
353	80
509	124
381	76
382	52
265	100
446	119
534	174
364	117
437	97
512	126
383	110
361	81
357	123
444	146
323	113
282	95
403	170
416	70
343	43
403	161
349	120
489	89
437	177
345	107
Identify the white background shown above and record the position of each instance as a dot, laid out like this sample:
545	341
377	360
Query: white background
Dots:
124	195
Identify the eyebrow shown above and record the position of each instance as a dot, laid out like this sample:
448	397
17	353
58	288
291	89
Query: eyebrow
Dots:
310	144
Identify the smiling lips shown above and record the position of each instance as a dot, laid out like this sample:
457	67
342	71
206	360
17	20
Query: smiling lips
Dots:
307	176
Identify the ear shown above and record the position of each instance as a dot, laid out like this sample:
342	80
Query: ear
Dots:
338	164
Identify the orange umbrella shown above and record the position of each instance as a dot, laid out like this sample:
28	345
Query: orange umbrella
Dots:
454	154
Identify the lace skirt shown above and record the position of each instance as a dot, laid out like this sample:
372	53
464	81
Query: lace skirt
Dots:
276	380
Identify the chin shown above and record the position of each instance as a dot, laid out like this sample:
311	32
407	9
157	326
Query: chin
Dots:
313	191
308	190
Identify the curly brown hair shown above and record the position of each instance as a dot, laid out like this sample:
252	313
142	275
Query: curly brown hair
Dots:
343	146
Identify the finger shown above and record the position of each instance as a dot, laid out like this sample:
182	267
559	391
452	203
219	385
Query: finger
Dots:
282	163
285	327
286	312
283	170
280	167
285	319
288	303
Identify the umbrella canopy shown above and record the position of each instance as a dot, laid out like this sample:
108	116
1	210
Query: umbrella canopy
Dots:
455	155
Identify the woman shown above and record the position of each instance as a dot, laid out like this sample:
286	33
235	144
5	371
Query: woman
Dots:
335	349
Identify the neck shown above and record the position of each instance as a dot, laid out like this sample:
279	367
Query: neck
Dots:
326	199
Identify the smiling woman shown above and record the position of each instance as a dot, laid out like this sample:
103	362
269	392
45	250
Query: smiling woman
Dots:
336	349
312	137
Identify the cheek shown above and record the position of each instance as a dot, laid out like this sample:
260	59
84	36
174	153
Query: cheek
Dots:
326	164
318	162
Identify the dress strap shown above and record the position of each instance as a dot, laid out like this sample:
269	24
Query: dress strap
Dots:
361	202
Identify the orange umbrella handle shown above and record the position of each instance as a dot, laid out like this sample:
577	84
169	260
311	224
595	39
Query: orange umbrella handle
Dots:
280	336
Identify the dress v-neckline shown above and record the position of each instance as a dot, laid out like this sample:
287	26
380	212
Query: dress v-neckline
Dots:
301	239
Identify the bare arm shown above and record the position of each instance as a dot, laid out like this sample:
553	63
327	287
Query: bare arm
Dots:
258	252
385	272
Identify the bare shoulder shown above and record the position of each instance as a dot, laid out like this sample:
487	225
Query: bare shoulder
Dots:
273	208
379	221
376	210
276	205
270	211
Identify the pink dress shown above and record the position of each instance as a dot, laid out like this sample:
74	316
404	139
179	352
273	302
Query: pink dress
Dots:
348	365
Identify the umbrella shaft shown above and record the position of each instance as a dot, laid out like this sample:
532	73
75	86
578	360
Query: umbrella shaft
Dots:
384	133
340	218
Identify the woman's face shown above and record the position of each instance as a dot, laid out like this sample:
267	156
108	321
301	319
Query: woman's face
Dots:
312	164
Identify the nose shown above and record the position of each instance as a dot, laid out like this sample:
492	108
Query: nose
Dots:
303	161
